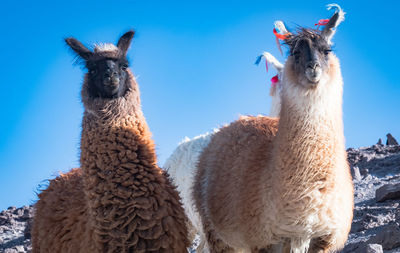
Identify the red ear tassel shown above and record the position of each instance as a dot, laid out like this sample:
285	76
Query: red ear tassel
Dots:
280	37
322	22
274	80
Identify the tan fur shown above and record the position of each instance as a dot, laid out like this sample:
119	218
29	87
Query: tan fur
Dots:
120	201
281	189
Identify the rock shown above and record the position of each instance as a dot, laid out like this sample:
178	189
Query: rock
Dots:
373	248
15	224
10	251
27	213
20	248
27	231
356	173
388	237
388	192
368	248
391	140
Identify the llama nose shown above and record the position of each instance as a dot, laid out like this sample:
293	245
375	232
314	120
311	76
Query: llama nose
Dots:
110	73
313	65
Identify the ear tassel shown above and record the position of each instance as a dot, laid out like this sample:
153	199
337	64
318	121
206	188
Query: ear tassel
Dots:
274	83
322	22
258	60
270	59
283	33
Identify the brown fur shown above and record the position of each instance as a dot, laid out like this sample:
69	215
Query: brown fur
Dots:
120	201
260	188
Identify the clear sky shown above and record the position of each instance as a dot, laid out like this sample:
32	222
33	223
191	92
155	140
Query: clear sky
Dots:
195	66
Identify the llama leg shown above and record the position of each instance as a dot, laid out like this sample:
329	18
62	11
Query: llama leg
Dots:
216	245
319	245
275	248
263	250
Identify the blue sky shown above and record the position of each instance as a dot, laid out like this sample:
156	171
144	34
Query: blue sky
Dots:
195	68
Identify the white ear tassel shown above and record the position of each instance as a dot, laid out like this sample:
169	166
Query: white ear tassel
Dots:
280	26
271	60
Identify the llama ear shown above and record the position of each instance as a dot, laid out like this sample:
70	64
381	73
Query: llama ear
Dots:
334	22
125	41
78	48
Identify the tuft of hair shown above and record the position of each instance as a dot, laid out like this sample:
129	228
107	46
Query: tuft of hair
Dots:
105	47
302	33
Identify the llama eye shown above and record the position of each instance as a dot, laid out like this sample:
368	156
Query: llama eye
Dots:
124	66
296	55
93	72
326	52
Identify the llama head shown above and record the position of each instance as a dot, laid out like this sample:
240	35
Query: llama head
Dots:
310	52
108	75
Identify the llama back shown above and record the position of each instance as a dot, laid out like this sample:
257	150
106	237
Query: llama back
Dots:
223	173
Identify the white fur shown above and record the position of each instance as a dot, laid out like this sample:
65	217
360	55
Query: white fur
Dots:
181	166
105	47
276	101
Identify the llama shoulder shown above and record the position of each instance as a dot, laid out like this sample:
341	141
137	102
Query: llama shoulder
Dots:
243	145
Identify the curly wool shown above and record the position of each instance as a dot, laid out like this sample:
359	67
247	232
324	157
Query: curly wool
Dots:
120	201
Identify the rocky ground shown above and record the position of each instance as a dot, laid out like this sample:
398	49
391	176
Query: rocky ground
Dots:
15	235
376	177
376	223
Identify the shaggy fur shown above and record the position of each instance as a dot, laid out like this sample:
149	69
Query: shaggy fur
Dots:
120	201
261	187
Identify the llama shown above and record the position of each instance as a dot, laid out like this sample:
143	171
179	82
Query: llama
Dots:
120	200
282	185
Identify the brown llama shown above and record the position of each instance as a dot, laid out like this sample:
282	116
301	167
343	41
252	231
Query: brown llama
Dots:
283	185
120	200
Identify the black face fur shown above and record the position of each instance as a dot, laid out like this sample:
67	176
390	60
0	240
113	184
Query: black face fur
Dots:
310	52
310	49
108	76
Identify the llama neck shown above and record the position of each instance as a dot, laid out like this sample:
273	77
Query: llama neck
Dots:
309	145
117	159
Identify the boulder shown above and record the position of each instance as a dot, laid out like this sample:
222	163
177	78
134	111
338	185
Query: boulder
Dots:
388	237
391	140
388	192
